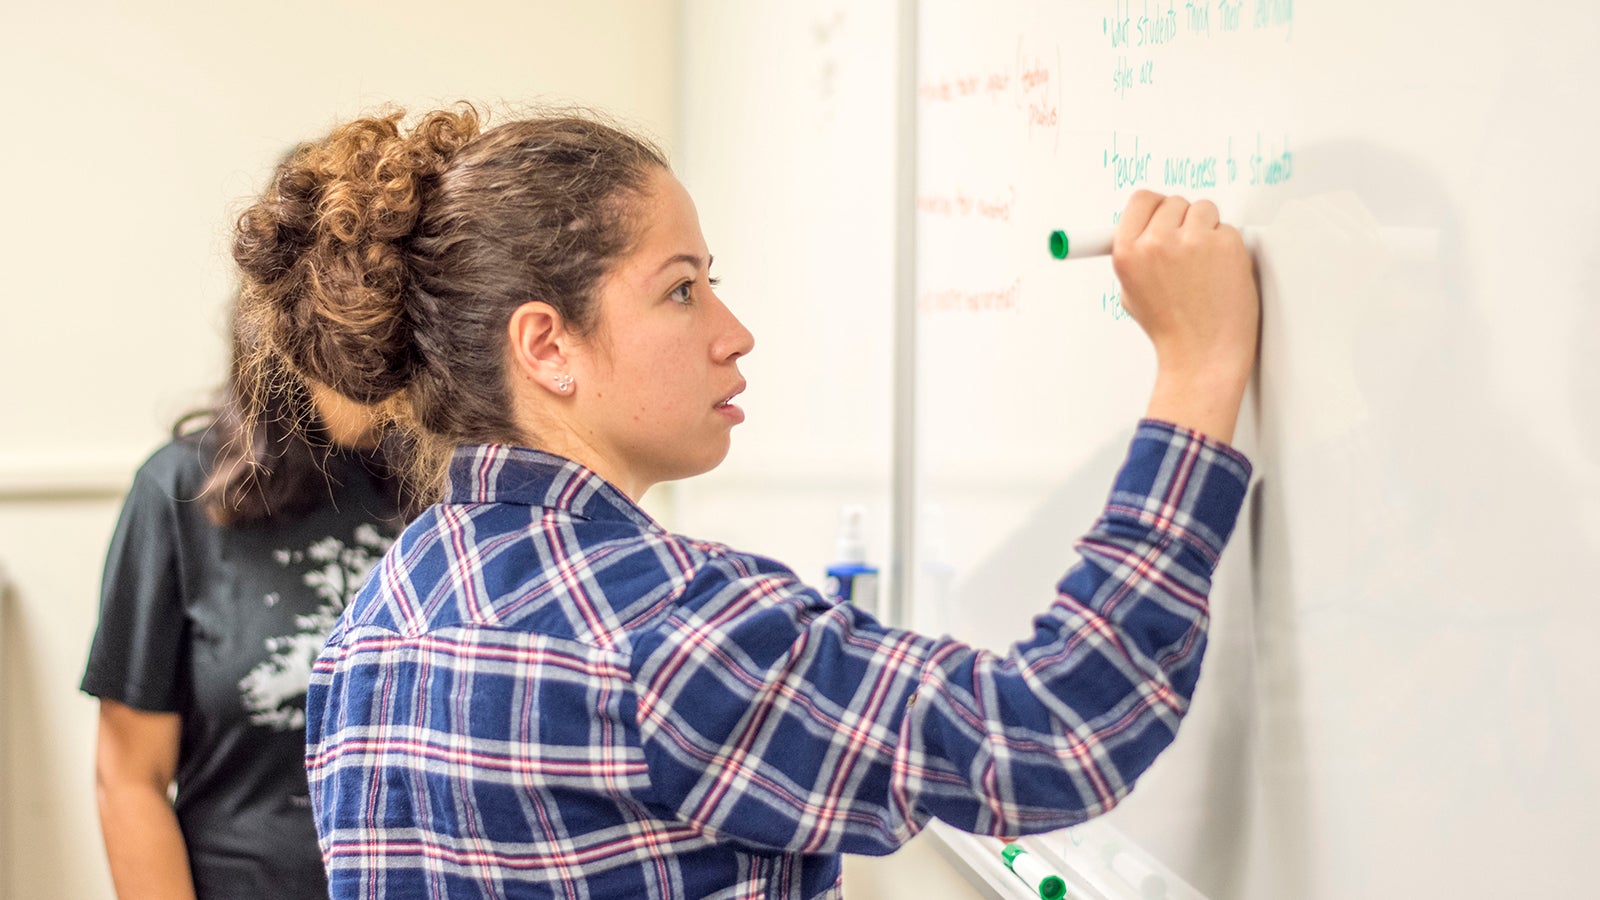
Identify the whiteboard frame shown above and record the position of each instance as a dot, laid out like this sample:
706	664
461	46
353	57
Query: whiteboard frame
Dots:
902	490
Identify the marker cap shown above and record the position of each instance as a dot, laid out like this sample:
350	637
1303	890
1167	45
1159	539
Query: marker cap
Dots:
1059	245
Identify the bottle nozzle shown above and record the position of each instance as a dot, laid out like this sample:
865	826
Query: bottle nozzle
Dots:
852	544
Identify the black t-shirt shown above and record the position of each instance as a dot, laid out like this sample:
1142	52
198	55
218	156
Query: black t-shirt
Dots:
221	625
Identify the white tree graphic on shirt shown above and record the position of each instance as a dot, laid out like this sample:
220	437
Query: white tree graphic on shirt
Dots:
336	573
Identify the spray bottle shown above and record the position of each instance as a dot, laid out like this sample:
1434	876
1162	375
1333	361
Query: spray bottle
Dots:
850	577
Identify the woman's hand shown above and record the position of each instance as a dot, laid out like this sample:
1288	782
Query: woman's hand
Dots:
1188	281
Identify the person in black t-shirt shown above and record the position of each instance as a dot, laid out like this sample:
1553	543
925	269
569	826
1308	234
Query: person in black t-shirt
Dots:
239	544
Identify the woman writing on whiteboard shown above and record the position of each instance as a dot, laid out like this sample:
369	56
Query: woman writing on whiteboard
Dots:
540	691
238	546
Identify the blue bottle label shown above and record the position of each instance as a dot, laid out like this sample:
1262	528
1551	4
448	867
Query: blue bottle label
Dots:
854	583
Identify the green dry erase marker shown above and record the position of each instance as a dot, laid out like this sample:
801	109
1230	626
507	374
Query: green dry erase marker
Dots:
1022	864
1081	243
1409	244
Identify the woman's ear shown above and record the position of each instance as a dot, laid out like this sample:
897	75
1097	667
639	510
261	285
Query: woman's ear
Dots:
538	345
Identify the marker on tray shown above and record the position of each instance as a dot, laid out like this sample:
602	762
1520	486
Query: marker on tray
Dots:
1022	864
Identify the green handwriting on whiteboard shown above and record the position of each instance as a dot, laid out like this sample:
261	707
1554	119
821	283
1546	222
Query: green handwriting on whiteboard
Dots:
1136	165
1274	14
1274	167
1158	24
1124	78
1128	168
1153	27
1137	35
1111	305
1228	13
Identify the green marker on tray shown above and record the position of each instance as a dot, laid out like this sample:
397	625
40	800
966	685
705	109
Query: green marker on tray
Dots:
1022	864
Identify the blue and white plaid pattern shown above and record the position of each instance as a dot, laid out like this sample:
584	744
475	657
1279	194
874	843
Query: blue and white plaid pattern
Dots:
541	693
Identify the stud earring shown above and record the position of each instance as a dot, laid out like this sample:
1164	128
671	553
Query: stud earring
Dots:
563	382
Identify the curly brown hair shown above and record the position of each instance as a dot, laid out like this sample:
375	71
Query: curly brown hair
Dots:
385	263
264	448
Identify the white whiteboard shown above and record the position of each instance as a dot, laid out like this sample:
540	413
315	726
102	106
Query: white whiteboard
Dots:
1397	700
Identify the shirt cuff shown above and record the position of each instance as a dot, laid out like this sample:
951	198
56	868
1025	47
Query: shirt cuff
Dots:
1179	481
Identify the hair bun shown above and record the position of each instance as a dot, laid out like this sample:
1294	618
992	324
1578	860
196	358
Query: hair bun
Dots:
323	254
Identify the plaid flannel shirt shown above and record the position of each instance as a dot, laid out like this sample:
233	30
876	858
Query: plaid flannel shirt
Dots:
542	693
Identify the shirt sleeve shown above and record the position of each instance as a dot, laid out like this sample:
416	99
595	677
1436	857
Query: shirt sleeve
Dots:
773	716
138	645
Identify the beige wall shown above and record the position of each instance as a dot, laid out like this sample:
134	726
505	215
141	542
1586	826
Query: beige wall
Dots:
131	133
134	130
49	839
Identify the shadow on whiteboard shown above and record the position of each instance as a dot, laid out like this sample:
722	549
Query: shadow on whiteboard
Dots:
1414	570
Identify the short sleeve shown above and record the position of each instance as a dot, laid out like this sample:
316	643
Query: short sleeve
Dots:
137	648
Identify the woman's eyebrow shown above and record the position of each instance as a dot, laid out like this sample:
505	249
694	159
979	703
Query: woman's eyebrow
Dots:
689	258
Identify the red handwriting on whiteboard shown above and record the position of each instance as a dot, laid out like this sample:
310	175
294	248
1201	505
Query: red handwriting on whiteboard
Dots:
1030	82
968	300
962	204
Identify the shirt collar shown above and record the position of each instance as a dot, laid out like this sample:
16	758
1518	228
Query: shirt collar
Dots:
500	473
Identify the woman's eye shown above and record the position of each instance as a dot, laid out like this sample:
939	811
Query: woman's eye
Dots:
683	293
